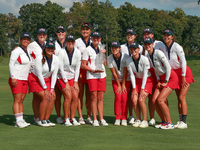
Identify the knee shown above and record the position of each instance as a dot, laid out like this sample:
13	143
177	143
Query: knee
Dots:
181	98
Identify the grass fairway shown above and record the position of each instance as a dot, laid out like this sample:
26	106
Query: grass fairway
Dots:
102	138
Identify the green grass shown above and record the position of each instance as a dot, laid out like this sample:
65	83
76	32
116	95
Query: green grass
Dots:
88	137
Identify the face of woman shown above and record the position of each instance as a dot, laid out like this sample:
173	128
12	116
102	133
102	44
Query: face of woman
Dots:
85	32
49	51
115	50
70	44
130	37
25	41
148	46
41	37
167	38
147	34
60	34
134	51
95	40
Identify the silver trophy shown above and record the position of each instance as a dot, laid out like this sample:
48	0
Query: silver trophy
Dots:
100	58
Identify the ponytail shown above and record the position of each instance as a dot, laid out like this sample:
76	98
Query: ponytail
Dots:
43	54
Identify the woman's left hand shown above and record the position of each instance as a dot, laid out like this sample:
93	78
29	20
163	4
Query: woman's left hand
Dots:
53	95
184	83
76	86
143	94
124	90
163	84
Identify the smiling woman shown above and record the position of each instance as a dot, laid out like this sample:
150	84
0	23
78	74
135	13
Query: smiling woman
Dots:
19	66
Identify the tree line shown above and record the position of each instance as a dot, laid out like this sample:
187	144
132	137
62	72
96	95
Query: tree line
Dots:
111	22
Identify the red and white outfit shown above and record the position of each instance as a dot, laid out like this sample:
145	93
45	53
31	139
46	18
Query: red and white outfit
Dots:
58	47
162	69
35	50
120	105
19	66
177	61
80	44
139	74
96	81
69	67
43	76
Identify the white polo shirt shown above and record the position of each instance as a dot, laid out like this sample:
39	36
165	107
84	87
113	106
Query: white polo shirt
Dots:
57	47
141	72
119	71
90	55
80	45
160	64
69	71
34	50
20	64
176	57
42	70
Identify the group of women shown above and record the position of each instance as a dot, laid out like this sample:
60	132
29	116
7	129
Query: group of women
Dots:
72	67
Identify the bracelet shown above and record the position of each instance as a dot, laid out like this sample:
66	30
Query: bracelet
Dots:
166	81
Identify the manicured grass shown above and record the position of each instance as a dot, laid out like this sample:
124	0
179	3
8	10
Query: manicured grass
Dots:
89	137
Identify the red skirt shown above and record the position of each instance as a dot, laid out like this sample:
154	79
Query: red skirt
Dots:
83	74
34	84
61	84
148	86
155	81
22	86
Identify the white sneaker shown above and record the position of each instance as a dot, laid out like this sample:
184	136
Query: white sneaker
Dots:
167	126
124	122
67	122
176	125
43	123
27	124
59	120
136	123
143	124
89	121
74	122
20	124
36	120
117	122
81	121
152	122
50	123
103	123
131	120
95	123
182	125
158	126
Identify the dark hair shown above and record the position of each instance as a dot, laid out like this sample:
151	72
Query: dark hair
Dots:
44	55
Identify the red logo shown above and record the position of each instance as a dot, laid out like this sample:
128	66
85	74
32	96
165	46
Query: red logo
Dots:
19	60
33	55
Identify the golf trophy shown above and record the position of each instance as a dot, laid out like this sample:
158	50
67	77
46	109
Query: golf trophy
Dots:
100	59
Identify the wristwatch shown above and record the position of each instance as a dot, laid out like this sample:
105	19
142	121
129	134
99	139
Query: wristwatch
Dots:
166	81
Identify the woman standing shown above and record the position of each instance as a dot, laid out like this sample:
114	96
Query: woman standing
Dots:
81	44
125	48
70	61
167	80
19	66
141	79
59	44
176	57
148	33
35	49
42	82
96	77
116	63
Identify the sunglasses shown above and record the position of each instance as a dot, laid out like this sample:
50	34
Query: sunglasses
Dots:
60	31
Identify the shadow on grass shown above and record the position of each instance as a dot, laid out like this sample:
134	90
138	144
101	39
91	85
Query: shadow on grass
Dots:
10	119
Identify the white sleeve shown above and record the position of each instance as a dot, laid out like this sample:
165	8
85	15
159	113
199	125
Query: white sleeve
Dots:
54	75
165	62
38	71
145	74
132	76
61	67
13	59
78	65
85	54
181	55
